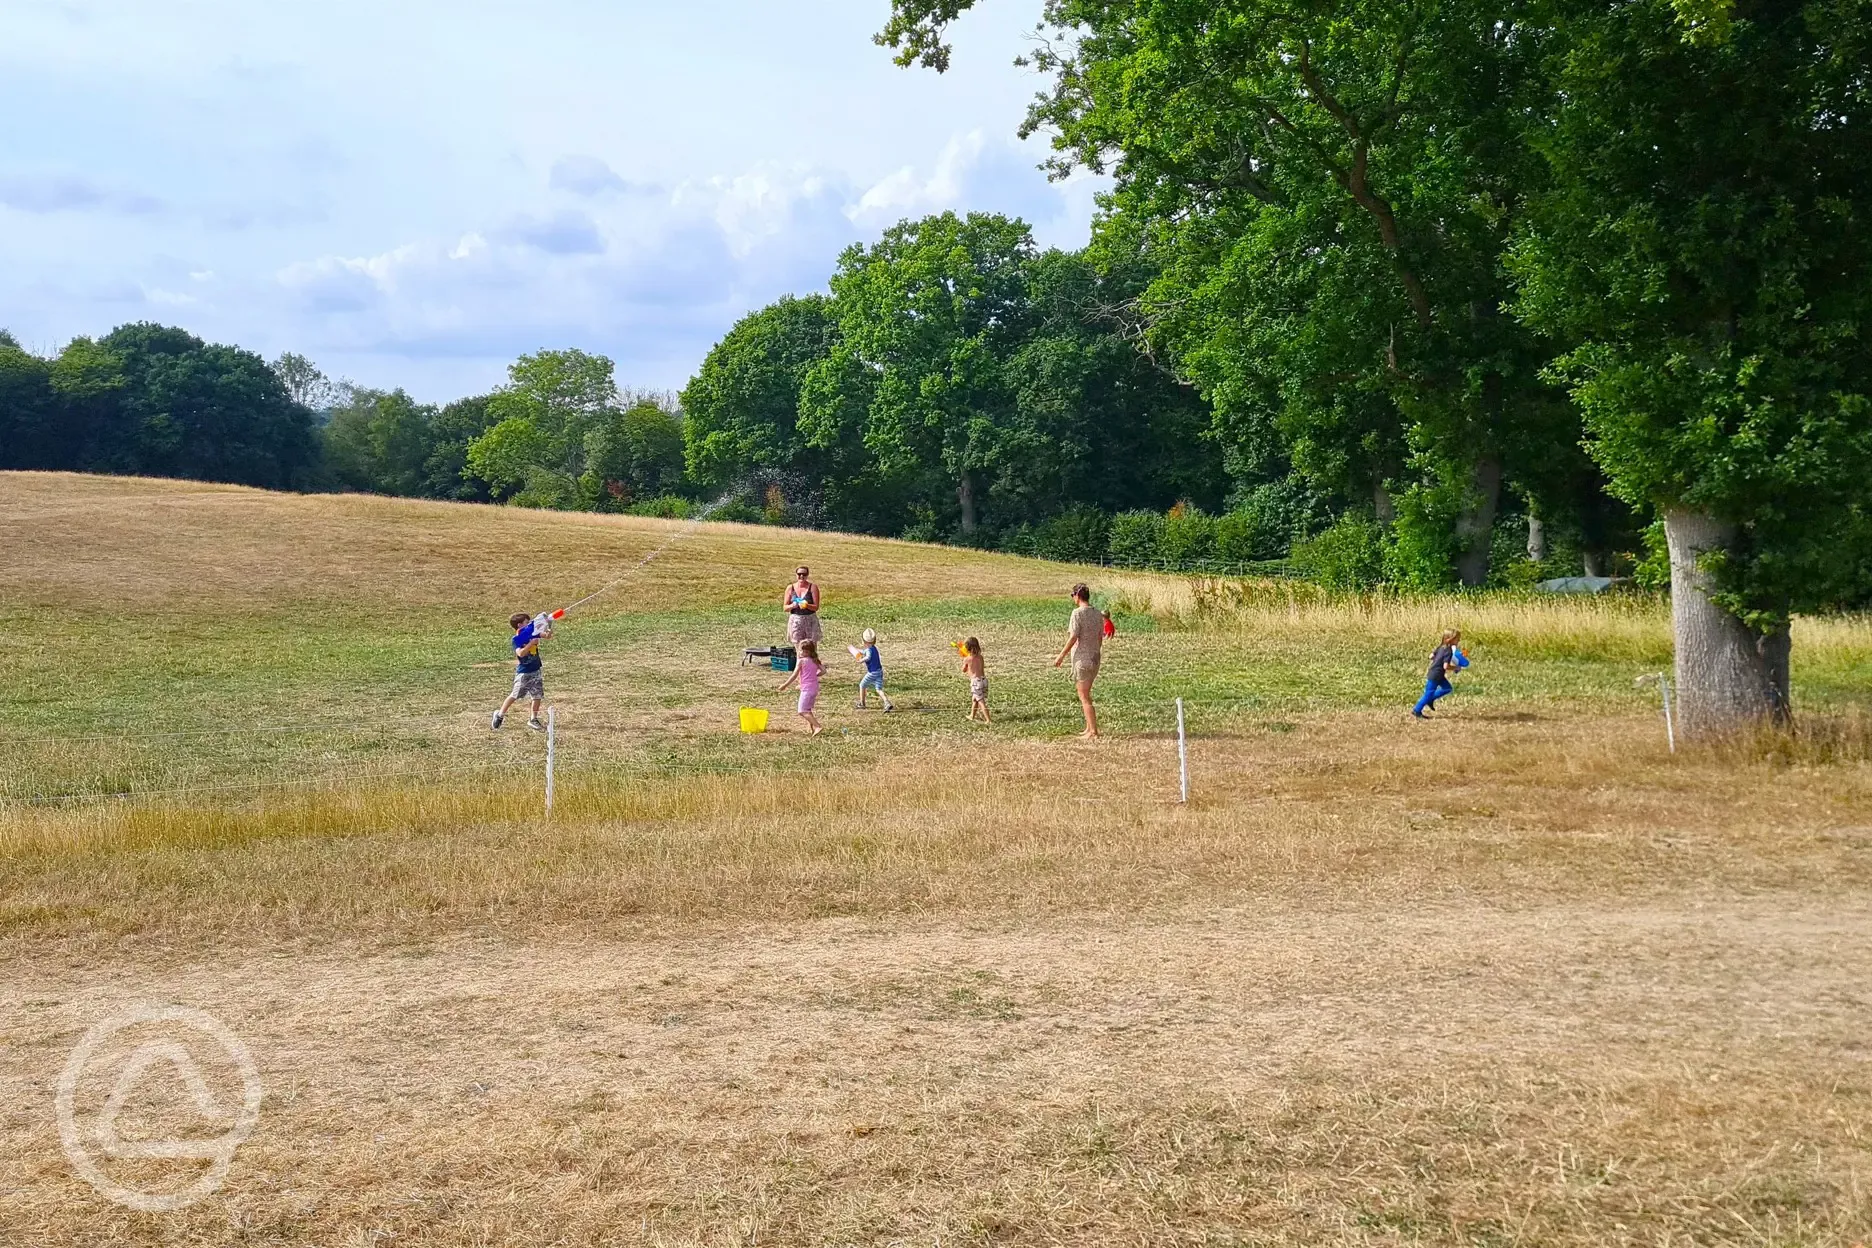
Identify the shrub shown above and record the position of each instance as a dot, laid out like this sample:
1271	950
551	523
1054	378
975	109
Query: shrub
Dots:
738	511
1134	538
1278	514
667	506
1077	535
1189	535
924	526
1238	536
545	488
1349	555
1423	550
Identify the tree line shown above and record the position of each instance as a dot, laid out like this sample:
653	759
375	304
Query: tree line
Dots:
154	400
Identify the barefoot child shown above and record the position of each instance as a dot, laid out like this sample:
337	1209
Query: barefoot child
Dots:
807	674
977	672
528	681
1437	682
873	664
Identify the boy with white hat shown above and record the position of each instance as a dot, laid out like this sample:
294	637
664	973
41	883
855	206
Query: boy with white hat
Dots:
873	677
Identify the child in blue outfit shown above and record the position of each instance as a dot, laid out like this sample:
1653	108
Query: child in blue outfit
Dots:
1437	682
528	680
873	677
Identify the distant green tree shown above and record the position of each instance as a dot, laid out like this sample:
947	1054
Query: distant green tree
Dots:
633	454
741	410
88	379
155	400
445	468
381	442
536	445
507	454
304	383
31	420
935	309
1118	428
655	433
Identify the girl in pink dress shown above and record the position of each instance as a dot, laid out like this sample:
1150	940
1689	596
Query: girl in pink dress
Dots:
807	674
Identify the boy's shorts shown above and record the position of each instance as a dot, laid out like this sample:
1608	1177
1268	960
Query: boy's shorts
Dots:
529	685
872	680
978	688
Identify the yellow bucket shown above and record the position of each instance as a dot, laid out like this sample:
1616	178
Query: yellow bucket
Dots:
753	719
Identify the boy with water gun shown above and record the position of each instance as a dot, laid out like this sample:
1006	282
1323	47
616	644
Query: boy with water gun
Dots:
529	682
873	664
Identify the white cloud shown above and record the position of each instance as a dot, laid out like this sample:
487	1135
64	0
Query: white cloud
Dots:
905	194
652	280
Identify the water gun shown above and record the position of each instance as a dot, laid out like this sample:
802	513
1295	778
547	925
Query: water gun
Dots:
960	647
543	622
1461	657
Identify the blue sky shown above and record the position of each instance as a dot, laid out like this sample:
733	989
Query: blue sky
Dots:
413	192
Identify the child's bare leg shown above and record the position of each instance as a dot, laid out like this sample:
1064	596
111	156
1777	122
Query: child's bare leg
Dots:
537	703
986	717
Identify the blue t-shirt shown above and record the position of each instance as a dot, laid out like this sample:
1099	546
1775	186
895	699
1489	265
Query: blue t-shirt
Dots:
874	662
525	650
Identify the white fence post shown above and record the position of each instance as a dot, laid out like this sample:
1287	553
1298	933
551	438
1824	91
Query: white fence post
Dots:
552	715
1670	729
1182	752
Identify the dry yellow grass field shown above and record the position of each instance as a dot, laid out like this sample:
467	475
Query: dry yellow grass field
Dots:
1516	977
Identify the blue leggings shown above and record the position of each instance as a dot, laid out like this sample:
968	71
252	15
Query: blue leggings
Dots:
1434	688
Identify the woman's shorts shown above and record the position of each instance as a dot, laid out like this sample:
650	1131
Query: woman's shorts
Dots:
1085	672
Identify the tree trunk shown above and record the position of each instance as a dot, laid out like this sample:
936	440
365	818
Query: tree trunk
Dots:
1728	675
1476	526
1592	562
1381	503
1536	538
965	495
